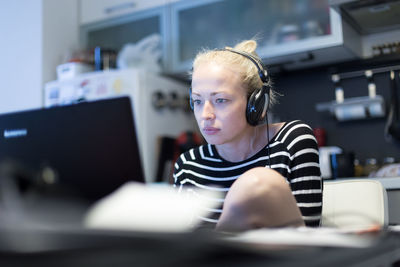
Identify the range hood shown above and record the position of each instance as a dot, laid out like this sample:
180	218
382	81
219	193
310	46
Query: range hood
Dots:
369	16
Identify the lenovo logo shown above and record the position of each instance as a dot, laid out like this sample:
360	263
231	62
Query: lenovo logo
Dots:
13	133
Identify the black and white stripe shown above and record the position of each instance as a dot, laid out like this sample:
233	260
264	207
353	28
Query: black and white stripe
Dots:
293	153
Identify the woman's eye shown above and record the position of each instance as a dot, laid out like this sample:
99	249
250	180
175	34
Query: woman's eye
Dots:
196	101
221	100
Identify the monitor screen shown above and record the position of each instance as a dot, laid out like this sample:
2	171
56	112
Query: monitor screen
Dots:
89	148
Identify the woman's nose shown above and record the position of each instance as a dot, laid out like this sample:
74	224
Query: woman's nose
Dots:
208	111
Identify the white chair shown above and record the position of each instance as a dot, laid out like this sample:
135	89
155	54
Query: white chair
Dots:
354	203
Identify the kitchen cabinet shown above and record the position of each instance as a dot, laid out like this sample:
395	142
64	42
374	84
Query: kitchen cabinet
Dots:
117	32
98	10
292	33
288	31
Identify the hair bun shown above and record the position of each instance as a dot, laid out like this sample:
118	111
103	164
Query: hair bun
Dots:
248	46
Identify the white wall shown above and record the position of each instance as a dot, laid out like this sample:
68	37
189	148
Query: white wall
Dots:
36	35
60	34
21	54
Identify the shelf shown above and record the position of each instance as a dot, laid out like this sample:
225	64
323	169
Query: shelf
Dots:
355	108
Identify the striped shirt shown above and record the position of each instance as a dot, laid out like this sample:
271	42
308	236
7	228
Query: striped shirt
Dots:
293	152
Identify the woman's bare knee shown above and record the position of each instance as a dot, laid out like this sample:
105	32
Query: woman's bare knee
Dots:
260	197
256	183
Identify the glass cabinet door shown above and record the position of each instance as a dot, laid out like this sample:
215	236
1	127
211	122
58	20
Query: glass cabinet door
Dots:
115	33
281	27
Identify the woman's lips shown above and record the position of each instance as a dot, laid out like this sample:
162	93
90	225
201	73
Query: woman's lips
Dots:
210	130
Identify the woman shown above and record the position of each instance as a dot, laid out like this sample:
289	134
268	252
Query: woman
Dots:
269	172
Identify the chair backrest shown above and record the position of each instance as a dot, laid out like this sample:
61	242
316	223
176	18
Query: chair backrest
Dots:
354	203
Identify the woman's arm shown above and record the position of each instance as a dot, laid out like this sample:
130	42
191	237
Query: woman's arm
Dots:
305	176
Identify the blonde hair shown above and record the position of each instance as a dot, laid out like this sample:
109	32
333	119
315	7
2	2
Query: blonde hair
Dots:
246	68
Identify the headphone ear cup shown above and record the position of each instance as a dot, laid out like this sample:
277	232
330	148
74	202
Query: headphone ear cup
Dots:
257	106
253	111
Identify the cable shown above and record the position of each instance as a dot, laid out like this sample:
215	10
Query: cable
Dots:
268	149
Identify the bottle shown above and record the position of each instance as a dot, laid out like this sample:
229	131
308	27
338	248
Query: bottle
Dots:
358	168
371	167
371	84
339	93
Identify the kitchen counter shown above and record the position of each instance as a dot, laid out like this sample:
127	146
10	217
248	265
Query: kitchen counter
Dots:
390	183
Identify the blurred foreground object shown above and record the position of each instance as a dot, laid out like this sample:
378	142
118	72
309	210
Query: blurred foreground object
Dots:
151	207
35	199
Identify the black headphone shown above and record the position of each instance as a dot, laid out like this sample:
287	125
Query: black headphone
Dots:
258	101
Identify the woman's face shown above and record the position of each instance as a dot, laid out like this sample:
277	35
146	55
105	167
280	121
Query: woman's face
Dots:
219	101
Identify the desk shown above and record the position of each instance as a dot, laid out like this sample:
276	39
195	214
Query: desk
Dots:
202	248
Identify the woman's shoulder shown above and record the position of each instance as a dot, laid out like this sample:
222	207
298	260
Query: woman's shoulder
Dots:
198	153
293	129
296	134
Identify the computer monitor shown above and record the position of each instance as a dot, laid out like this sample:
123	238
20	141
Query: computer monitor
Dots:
90	146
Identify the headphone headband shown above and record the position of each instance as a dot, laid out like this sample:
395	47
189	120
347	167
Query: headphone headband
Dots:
260	66
258	101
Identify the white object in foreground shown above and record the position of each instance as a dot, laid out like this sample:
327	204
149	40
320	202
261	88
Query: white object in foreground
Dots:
146	207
